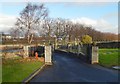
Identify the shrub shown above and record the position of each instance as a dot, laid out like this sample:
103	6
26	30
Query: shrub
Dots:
86	39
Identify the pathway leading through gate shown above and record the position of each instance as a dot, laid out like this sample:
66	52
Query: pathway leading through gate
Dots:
67	68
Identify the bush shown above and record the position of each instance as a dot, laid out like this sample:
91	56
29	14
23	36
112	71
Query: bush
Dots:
86	39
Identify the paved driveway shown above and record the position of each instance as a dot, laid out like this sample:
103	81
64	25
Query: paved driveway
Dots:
71	69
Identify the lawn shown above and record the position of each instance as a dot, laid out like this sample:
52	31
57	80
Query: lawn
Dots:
109	57
14	70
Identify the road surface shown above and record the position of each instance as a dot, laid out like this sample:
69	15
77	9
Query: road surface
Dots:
67	68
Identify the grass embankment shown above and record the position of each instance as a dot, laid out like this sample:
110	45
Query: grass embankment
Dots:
16	70
109	57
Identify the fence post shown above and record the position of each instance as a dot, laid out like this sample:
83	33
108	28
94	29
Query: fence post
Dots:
48	55
94	58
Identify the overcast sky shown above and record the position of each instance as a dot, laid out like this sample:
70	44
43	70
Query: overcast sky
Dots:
103	16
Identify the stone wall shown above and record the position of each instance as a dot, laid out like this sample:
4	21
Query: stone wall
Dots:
12	54
9	47
87	52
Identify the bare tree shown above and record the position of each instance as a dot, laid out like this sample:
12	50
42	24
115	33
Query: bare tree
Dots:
60	26
15	33
30	18
48	27
69	29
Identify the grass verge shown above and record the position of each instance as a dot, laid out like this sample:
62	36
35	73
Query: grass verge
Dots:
14	70
109	57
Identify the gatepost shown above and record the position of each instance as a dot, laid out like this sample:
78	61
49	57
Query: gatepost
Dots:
48	55
94	58
26	51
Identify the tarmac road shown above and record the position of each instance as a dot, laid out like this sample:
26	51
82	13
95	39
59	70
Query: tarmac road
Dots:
67	68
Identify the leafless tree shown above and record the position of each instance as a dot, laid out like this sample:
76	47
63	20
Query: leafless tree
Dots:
60	28
34	19
14	32
47	26
30	18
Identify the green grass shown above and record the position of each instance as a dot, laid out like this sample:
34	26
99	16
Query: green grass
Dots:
15	71
0	72
0	69
109	57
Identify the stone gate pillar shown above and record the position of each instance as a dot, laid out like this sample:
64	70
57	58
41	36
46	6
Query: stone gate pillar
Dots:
48	55
26	51
94	58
